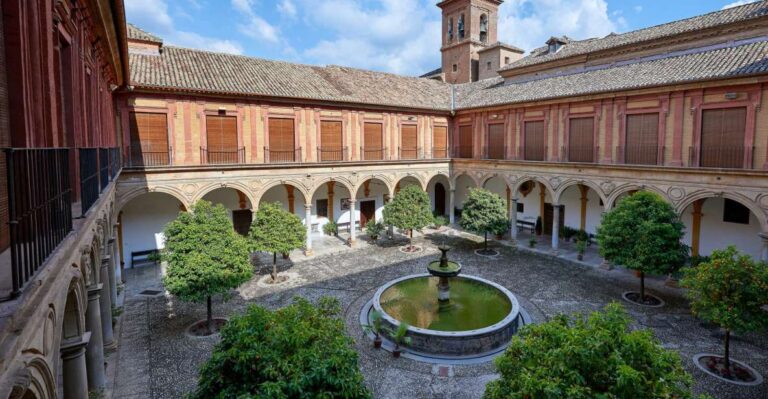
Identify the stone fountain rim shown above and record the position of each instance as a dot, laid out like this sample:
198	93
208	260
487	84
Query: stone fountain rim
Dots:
512	317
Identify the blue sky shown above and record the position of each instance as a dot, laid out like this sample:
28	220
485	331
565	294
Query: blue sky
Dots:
399	36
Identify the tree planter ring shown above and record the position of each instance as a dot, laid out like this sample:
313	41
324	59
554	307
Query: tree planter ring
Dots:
758	379
411	250
193	330
627	295
489	253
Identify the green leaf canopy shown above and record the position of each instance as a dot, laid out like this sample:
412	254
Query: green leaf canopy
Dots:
205	255
409	210
276	230
483	212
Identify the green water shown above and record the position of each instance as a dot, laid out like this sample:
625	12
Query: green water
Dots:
473	304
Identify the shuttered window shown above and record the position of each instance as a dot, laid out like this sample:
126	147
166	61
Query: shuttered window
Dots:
496	141
722	138
149	139
440	142
581	145
408	142
221	133
642	141
534	141
465	142
331	147
373	139
282	143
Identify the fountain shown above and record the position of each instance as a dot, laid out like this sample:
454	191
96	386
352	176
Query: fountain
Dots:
448	314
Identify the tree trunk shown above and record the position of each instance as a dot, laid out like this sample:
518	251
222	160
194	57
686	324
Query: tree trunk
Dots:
642	287
727	356
274	266
486	242
210	316
410	239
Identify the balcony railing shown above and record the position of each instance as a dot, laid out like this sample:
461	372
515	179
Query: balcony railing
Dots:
282	156
373	154
409	152
39	208
729	157
220	156
440	153
496	152
103	168
147	155
585	154
639	155
331	154
463	151
115	162
533	153
89	178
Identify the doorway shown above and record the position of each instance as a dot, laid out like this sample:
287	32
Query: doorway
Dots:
548	214
241	219
367	212
440	199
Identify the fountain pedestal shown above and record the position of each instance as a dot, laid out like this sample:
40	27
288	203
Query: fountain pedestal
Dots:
443	290
445	270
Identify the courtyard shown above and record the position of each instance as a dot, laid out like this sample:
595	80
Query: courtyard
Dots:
157	359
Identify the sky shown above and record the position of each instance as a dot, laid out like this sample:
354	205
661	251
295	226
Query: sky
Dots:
398	36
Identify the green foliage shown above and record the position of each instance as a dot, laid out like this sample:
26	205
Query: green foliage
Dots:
440	221
532	242
276	230
581	246
600	357
409	210
399	335
500	227
643	233
331	229
483	212
374	230
376	323
567	232
299	351
729	290
205	255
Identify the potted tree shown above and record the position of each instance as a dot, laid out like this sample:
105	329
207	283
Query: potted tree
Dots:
205	257
277	231
581	247
532	242
375	327
331	229
484	212
374	230
399	338
409	211
643	233
728	290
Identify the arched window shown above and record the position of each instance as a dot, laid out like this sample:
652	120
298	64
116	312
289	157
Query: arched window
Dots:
450	30
461	26
484	28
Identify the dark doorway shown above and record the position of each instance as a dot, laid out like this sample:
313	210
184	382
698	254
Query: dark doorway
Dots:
242	221
440	199
367	212
548	214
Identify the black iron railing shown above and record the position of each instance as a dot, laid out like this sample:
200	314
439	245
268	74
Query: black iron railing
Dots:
39	208
89	178
439	152
115	162
218	156
729	157
533	153
409	152
463	151
103	168
373	154
282	156
148	155
496	152
331	154
639	155
586	154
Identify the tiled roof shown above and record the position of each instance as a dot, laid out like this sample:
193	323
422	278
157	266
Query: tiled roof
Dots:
206	72
579	47
136	33
432	73
504	45
728	62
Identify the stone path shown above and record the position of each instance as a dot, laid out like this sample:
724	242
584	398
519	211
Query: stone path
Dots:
157	360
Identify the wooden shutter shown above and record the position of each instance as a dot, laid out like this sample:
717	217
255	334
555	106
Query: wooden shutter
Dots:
534	141
221	133
372	140
408	142
642	141
440	142
331	142
581	145
465	142
496	141
282	144
149	138
722	137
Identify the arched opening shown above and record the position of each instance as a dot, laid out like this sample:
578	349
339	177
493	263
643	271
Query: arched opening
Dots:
237	203
534	201
437	188
582	208
71	327
716	222
499	186
484	28
290	197
327	205
371	197
464	183
405	182
143	220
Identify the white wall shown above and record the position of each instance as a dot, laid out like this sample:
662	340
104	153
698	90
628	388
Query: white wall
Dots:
571	199
716	234
531	205
463	185
227	197
144	219
280	194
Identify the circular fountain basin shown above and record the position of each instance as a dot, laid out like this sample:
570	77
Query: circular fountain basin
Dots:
480	318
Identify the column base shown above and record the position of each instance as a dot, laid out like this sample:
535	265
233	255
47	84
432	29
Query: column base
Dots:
513	241
309	252
605	265
352	242
111	346
554	252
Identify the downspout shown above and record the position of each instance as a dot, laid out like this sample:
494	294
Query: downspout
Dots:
453	99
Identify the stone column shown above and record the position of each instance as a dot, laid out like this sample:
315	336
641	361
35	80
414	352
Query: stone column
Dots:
105	303
555	228
513	221
74	373
764	252
451	207
94	353
308	216
112	265
352	221
390	229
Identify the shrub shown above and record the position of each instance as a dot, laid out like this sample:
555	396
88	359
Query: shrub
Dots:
299	351
331	229
483	212
276	230
600	357
440	221
374	230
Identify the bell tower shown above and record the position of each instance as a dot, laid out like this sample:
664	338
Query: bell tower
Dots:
468	27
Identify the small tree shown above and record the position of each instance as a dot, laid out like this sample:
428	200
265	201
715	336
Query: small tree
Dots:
205	256
729	290
643	233
277	231
299	351
409	210
601	357
483	212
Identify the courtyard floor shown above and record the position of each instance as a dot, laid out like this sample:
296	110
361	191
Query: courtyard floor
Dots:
156	359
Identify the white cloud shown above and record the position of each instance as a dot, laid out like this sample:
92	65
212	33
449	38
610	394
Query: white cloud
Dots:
287	8
153	16
738	3
638	8
256	27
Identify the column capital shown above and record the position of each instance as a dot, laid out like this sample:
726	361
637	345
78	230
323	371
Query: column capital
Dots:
763	236
307	206
352	200
94	291
74	347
